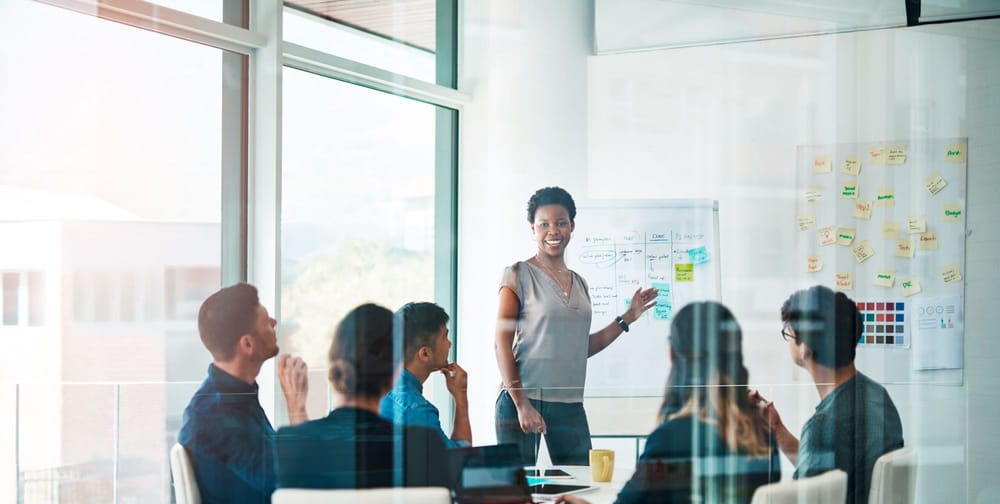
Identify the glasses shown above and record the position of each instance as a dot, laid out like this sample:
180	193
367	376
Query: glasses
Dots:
786	334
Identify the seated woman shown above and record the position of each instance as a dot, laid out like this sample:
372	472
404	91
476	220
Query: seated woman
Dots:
353	447
711	445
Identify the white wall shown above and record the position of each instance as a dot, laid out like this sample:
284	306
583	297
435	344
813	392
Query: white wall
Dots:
723	122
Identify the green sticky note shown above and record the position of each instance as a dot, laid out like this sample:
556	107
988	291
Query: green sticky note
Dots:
684	272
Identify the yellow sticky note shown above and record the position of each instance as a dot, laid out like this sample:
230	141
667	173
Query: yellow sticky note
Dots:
849	190
955	153
916	224
885	278
822	164
950	274
684	272
904	248
935	183
952	213
876	155
910	286
844	281
862	251
890	230
845	236
807	221
814	194
863	210
827	235
928	241
814	263
896	155
885	197
852	165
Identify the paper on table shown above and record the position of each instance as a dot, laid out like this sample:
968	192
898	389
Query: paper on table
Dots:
938	335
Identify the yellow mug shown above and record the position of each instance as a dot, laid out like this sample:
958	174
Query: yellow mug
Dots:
602	465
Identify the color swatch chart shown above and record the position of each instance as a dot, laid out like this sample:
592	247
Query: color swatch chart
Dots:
885	323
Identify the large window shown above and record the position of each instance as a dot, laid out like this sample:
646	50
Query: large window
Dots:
358	205
110	211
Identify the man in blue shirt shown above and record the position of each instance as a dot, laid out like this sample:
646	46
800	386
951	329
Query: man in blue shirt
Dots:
856	421
426	347
225	430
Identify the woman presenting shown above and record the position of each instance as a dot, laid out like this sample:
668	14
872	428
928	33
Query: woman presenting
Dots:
543	339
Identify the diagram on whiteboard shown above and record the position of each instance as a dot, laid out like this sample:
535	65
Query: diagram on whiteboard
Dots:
622	246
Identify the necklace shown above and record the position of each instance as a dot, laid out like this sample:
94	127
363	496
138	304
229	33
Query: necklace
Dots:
555	273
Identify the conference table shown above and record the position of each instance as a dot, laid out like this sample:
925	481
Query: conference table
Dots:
605	492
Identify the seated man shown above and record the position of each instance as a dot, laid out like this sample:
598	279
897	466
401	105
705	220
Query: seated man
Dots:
425	350
353	447
855	421
224	429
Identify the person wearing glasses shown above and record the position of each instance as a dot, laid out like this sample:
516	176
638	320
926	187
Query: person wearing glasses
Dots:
543	339
856	421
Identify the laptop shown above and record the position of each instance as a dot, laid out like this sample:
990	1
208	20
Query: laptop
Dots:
494	475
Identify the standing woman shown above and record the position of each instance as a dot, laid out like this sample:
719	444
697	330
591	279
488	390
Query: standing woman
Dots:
543	339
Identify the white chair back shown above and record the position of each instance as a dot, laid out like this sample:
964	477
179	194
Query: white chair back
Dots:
407	495
185	484
894	477
827	488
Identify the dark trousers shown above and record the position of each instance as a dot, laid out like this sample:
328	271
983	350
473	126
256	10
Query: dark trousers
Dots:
568	436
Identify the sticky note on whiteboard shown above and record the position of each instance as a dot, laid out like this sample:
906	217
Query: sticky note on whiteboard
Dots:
844	281
952	213
910	286
885	278
955	153
852	165
814	263
684	272
950	274
822	164
699	255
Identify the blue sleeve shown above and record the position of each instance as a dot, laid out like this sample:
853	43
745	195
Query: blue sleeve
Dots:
426	415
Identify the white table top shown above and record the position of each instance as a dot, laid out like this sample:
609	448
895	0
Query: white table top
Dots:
606	492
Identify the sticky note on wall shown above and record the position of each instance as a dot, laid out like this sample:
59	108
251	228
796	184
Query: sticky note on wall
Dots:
813	194
890	230
843	281
852	165
885	197
904	248
896	155
950	274
952	213
814	263
827	235
916	224
910	286
928	241
845	236
955	153
849	189
863	210
822	164
885	278
935	183
804	222
876	155
862	252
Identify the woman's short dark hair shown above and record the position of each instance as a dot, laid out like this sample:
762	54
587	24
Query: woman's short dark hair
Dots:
826	322
364	353
226	316
551	196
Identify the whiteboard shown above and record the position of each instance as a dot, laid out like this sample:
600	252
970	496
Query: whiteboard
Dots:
620	245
